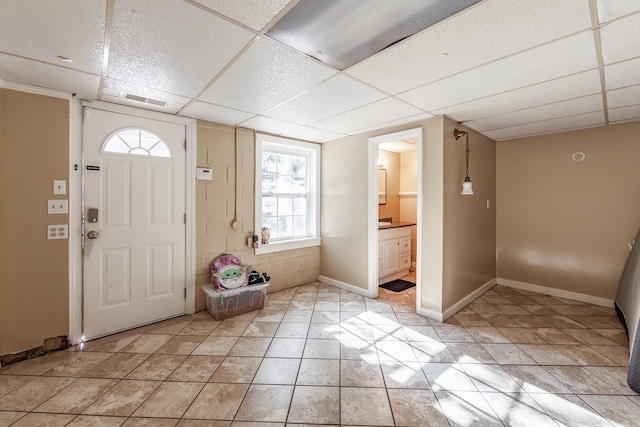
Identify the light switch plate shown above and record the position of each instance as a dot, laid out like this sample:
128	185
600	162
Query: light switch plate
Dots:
59	186
57	206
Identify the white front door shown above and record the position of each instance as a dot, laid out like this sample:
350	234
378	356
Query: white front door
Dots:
134	199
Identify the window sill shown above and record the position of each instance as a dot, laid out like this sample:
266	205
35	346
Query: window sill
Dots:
287	246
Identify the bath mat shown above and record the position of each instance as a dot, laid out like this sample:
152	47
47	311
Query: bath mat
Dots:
398	285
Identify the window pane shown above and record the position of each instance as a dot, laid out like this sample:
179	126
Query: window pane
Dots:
300	206
285	206
300	225
137	142
285	228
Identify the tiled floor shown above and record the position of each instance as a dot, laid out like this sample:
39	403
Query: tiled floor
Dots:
316	355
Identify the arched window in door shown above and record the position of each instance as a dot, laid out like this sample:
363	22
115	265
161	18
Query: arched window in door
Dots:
137	142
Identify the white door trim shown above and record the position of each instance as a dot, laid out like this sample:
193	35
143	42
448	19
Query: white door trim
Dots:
372	233
75	197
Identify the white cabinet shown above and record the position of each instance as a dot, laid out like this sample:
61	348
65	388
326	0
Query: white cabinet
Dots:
394	253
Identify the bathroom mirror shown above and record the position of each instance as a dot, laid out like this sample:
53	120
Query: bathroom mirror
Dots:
382	186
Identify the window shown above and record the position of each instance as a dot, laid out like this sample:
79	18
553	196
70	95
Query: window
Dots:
287	187
138	142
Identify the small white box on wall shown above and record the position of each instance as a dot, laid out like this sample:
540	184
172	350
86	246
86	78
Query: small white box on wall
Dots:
204	174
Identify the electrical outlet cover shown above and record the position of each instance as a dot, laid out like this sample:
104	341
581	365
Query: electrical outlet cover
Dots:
57	231
57	206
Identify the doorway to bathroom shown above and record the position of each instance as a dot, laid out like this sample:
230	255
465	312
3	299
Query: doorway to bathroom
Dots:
395	202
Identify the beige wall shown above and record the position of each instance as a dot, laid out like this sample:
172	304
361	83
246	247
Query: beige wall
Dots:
215	212
469	227
565	224
409	205
392	208
34	271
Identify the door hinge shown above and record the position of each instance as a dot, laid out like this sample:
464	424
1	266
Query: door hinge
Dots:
185	218
185	145
185	292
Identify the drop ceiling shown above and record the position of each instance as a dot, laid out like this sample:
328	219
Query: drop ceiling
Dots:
506	68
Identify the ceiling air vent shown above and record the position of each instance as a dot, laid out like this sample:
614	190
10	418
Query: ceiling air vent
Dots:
145	100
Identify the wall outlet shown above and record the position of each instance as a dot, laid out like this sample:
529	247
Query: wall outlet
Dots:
59	231
57	206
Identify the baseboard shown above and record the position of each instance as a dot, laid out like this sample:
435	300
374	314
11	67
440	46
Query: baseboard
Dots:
468	299
430	314
555	292
346	286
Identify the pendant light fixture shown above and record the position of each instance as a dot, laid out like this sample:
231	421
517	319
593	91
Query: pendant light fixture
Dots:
466	184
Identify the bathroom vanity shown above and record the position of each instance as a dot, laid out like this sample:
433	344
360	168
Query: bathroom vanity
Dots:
394	250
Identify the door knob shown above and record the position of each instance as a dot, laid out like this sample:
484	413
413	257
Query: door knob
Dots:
92	235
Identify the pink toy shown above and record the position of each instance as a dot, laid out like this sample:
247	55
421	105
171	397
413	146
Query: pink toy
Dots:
228	273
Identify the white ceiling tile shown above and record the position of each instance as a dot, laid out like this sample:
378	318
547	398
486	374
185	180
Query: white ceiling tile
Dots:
624	114
375	114
611	9
177	48
622	74
126	87
571	107
267	74
43	30
36	73
252	13
170	108
544	63
331	97
267	124
623	97
549	126
479	35
574	86
621	39
308	133
398	122
215	113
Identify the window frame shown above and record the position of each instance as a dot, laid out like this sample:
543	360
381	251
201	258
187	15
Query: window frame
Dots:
292	147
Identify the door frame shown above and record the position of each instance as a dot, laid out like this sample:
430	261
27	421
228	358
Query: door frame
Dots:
372	236
76	164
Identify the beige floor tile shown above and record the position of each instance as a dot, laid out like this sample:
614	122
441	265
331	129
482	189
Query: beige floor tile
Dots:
315	405
270	315
34	393
569	410
432	352
251	346
169	400
521	336
579	380
123	398
37	365
9	417
467	408
365	406
151	422
215	346
292	330
331	317
618	409
453	334
78	396
217	401
196	368
545	354
518	409
491	378
111	344
277	371
44	420
360	373
9	383
448	377
117	366
414	407
487	334
230	328
321	349
96	421
286	347
508	354
583	355
404	375
236	370
297	316
470	353
530	321
200	327
590	337
615	376
78	364
536	379
617	353
156	367
555	336
211	423
261	329
322	372
148	343
181	344
267	403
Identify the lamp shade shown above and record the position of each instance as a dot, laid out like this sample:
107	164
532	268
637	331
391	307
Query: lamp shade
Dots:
466	186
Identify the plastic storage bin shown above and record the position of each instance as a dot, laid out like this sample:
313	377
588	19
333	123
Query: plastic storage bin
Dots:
232	302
